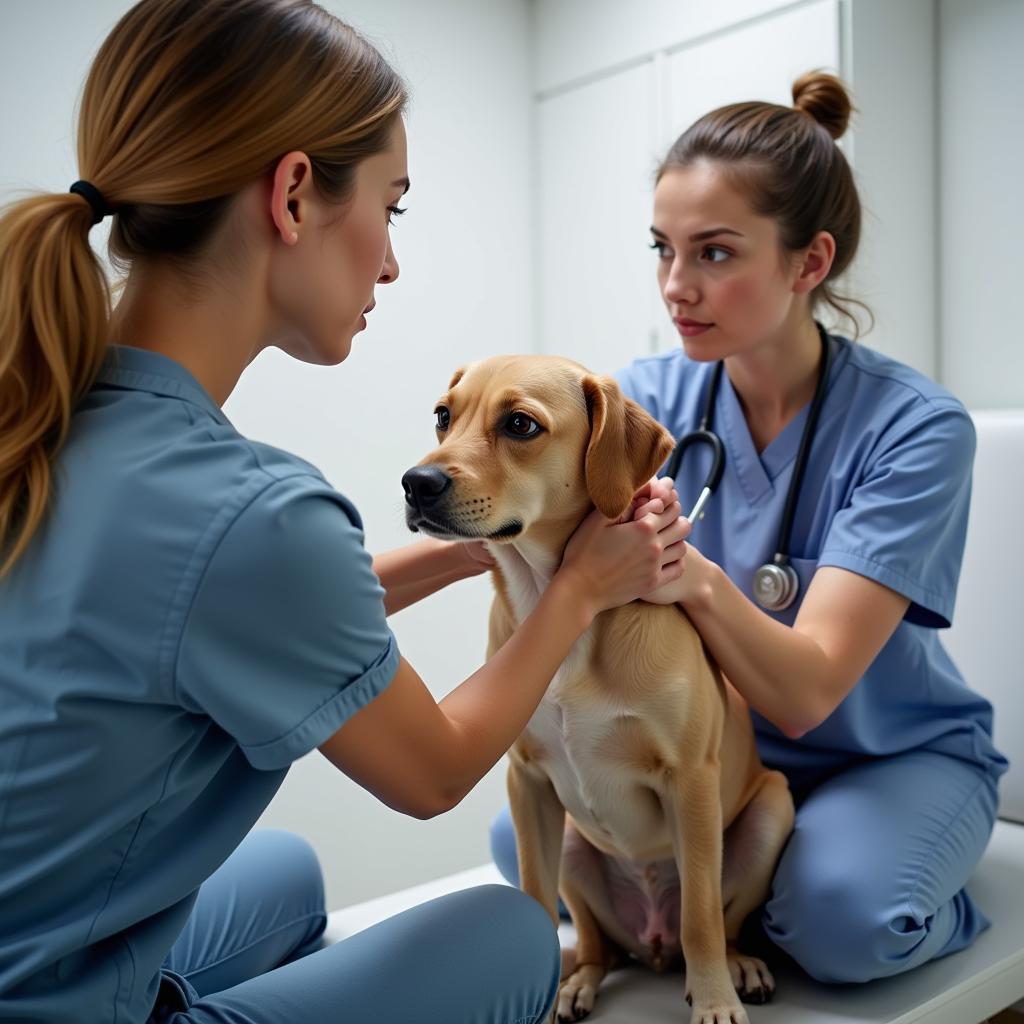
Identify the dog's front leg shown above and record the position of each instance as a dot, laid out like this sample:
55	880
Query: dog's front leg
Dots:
693	807
539	818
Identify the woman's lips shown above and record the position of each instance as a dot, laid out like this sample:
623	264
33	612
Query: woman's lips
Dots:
690	328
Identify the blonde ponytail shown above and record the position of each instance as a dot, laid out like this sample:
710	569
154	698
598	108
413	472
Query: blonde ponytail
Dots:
54	318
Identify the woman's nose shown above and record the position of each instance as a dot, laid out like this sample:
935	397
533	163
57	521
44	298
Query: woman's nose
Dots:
679	285
389	272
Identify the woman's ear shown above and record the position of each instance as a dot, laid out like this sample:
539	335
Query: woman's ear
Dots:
815	264
291	180
626	446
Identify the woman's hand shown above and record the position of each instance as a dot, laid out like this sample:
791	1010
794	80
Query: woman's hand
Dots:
691	577
614	563
657	488
690	584
472	557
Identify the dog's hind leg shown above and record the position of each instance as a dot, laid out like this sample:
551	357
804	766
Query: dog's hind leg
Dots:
753	845
539	819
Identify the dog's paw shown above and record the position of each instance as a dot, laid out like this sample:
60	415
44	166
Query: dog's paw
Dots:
751	978
578	993
716	1005
720	1013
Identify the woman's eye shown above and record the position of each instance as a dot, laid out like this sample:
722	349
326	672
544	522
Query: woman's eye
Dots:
521	425
716	254
662	250
395	211
444	417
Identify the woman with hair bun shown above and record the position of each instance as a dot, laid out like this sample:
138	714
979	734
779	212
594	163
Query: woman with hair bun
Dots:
835	644
185	612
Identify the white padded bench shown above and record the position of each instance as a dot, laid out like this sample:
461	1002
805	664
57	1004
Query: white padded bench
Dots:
964	988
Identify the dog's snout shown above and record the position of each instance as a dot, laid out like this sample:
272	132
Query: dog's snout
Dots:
424	485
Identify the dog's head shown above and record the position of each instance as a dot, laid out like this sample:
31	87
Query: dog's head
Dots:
528	442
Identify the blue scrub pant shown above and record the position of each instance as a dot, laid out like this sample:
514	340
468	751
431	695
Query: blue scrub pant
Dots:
871	882
250	952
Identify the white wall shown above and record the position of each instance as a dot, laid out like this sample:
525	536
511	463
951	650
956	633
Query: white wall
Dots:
580	39
981	160
464	292
890	63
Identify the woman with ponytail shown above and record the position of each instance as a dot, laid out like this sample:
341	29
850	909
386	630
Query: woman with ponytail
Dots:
887	750
185	612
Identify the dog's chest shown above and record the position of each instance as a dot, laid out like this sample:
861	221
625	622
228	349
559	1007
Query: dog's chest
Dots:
611	801
577	732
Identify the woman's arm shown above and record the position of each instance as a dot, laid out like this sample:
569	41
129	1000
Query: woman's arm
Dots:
793	676
410	573
422	757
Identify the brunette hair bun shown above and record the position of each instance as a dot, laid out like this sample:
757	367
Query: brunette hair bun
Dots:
823	98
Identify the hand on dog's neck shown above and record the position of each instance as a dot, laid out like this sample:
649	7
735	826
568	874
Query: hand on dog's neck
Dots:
529	562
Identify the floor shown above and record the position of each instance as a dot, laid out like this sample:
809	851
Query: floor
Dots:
1007	1017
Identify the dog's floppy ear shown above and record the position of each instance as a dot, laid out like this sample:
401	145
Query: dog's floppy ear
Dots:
626	445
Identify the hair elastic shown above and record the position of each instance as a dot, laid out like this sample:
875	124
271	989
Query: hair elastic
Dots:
95	199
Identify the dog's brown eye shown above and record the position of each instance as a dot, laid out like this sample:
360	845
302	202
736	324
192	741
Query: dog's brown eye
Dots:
521	425
444	417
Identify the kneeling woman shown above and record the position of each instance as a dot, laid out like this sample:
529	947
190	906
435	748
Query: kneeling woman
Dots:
888	752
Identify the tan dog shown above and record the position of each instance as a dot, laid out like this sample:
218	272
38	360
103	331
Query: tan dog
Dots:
638	737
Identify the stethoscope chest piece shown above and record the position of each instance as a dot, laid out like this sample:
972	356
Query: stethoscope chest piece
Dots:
775	585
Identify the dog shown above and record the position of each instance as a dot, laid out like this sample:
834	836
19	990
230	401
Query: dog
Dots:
636	789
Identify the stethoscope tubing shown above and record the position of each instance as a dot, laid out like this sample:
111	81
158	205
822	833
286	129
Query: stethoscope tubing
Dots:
704	434
701	436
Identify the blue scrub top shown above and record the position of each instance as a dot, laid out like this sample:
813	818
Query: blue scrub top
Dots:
196	612
885	495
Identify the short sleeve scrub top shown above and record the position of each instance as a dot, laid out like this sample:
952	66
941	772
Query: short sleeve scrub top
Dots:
196	612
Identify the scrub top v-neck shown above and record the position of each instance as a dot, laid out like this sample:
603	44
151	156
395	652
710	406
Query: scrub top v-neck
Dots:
885	495
196	612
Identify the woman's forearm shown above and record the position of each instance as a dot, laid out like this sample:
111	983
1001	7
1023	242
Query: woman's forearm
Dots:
401	597
411	573
783	674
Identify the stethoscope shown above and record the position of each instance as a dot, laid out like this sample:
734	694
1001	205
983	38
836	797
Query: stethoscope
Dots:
775	584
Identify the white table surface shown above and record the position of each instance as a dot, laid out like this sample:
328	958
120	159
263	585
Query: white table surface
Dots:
960	989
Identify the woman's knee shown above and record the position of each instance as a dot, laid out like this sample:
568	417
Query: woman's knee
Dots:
288	864
489	953
838	934
521	916
526	930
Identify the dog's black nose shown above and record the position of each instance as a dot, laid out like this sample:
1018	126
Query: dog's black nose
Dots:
424	485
